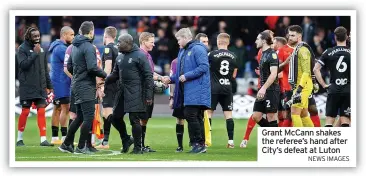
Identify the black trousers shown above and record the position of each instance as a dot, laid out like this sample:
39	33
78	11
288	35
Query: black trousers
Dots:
117	118
135	118
85	115
194	117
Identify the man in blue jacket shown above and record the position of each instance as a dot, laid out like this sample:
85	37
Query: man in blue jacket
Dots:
61	84
193	87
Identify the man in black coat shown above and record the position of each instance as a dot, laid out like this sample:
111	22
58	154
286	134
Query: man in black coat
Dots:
133	71
83	87
34	83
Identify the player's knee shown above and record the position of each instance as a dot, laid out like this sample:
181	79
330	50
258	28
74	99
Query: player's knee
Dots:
143	122
26	111
41	106
180	121
313	110
257	116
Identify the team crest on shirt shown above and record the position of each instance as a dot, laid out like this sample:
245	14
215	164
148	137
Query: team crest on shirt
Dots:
106	50
274	55
129	60
189	53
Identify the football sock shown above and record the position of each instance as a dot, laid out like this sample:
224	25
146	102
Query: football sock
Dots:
179	130
296	120
107	128
54	132
273	124
41	119
316	120
280	119
63	131
250	125
263	123
230	128
143	128
23	119
43	138
286	123
306	121
20	136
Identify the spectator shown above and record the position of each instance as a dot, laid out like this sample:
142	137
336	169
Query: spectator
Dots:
309	29
240	51
282	26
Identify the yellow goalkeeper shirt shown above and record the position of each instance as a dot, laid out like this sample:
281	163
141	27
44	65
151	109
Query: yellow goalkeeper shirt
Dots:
304	68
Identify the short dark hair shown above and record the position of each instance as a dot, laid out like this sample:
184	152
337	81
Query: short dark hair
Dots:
266	36
340	33
295	28
199	35
86	27
28	33
281	39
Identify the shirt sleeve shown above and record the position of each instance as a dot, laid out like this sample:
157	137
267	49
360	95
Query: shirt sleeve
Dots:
273	59
323	58
108	53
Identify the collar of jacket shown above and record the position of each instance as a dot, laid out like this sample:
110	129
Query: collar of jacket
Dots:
190	43
134	48
29	43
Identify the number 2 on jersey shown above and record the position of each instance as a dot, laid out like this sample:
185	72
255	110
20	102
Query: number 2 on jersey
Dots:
224	68
339	63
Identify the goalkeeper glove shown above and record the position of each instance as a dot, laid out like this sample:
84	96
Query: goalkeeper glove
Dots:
297	96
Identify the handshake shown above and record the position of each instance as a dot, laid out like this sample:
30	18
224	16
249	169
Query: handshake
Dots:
166	79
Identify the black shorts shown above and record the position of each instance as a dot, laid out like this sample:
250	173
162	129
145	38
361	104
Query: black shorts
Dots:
225	100
149	110
72	103
178	113
281	102
338	103
37	101
110	92
269	104
60	101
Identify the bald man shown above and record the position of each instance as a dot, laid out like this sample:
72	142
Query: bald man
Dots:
133	71
61	84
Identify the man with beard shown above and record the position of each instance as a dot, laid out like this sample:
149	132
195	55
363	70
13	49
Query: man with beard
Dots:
85	70
34	83
61	83
133	71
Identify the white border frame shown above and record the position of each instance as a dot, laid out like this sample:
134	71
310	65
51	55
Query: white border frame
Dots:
13	13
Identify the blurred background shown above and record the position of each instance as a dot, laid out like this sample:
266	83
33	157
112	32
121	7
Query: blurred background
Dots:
317	32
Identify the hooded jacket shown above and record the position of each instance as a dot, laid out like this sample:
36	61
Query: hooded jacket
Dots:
193	63
59	79
85	69
134	74
33	73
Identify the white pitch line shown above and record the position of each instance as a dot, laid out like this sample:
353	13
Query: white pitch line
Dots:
92	156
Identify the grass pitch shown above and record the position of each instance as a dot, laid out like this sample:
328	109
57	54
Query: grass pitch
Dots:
160	135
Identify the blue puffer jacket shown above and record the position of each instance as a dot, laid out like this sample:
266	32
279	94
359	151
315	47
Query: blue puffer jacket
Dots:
197	87
60	81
